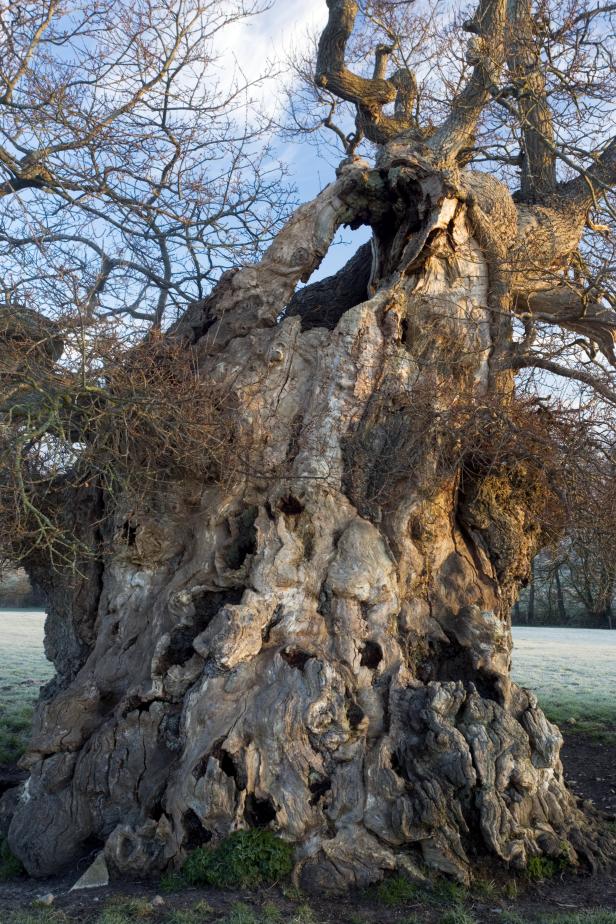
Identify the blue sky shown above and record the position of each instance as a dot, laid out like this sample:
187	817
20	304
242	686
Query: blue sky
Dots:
258	46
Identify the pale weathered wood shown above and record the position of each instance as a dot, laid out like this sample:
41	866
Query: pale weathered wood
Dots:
318	640
322	646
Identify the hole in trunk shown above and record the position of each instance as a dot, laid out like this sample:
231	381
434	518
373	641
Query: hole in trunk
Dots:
156	812
180	648
244	541
323	301
200	767
209	603
195	835
452	661
295	657
92	844
274	621
398	767
318	789
129	533
108	700
259	812
355	714
228	765
291	506
371	655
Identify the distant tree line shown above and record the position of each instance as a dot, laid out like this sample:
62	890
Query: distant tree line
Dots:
572	586
573	581
16	591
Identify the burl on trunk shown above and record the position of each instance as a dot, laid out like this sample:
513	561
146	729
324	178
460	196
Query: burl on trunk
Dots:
322	645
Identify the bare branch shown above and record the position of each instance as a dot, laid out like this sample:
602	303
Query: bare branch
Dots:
575	374
592	184
369	95
572	310
486	53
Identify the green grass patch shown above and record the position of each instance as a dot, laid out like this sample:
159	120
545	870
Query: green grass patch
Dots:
589	916
198	914
457	915
446	892
598	728
122	909
38	916
15	725
396	891
268	914
586	916
540	868
241	914
244	860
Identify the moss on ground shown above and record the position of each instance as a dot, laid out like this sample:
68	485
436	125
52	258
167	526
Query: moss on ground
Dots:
10	866
244	860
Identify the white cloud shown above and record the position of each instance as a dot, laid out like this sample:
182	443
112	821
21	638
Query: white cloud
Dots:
258	45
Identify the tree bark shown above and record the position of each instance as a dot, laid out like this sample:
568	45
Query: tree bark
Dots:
560	598
530	611
323	646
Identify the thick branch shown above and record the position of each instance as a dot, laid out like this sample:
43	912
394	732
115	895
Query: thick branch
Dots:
486	54
594	182
524	63
254	296
568	308
369	95
323	303
531	361
331	70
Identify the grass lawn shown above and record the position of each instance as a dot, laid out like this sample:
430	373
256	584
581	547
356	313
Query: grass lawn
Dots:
573	674
23	668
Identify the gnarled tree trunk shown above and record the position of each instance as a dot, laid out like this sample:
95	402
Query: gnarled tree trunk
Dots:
322	647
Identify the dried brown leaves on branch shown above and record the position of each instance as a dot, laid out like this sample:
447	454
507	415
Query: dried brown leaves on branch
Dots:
124	420
129	183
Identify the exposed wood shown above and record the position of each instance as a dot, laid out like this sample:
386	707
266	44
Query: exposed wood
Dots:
255	295
322	646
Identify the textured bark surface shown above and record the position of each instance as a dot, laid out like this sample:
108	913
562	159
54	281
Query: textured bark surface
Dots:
324	647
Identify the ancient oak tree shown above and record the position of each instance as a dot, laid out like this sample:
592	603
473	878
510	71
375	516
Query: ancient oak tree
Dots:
314	636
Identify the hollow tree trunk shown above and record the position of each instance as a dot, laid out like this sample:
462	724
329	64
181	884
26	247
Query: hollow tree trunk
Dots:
323	647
